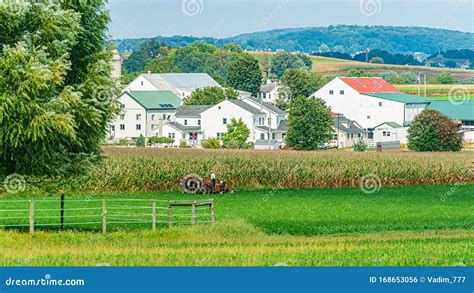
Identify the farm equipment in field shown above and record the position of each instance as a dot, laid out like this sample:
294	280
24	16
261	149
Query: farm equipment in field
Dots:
196	185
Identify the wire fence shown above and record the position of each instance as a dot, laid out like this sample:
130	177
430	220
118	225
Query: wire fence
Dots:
103	214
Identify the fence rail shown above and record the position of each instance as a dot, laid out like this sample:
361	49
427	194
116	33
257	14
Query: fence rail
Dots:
103	214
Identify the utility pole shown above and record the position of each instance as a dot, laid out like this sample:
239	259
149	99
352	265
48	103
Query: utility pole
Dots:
337	133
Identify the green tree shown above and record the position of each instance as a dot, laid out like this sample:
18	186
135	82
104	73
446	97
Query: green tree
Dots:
236	48
310	124
211	143
210	96
57	96
162	64
359	73
237	135
359	146
244	74
297	82
282	61
431	131
140	141
377	60
446	78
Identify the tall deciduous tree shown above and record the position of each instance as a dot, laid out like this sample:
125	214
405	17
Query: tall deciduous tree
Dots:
310	124
283	61
297	82
57	95
244	74
210	96
237	135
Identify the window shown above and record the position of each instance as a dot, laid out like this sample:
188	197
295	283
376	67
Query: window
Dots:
219	107
139	117
386	133
334	137
153	126
171	135
262	136
141	83
269	121
341	92
359	135
224	121
153	117
331	92
112	128
122	106
273	136
122	126
199	122
122	116
139	127
368	117
219	135
352	135
380	104
185	122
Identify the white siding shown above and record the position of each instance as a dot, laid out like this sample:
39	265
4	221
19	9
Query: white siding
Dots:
385	132
275	119
141	84
130	111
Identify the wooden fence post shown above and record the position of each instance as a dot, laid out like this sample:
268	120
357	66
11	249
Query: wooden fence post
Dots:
170	216
193	219
104	217
211	211
153	212
32	216
62	211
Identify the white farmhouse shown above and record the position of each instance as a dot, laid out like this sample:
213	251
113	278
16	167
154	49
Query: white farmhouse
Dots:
182	84
347	132
186	127
269	92
142	112
370	101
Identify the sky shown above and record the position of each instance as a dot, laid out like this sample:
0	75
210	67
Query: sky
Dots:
225	18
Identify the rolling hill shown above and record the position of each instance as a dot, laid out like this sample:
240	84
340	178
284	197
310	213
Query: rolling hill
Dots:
343	38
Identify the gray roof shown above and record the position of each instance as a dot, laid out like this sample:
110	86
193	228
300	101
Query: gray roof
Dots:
192	111
246	106
269	87
352	126
283	127
181	127
269	106
183	81
265	128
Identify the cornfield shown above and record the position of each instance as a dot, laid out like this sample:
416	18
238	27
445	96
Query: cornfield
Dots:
127	169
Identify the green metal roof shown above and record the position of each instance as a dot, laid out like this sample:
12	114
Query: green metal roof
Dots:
391	124
463	111
401	98
156	100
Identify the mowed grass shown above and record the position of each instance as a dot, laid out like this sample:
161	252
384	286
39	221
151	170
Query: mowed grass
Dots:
235	243
430	225
296	212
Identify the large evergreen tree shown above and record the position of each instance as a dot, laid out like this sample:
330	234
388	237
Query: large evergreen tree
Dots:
57	96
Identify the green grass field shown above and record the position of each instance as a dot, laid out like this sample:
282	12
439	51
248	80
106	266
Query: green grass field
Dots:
431	225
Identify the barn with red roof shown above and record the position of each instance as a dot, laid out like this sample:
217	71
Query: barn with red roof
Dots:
370	101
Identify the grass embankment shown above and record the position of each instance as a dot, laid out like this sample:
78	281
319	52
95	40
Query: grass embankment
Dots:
153	169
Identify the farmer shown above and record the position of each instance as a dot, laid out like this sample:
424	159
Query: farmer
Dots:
213	180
